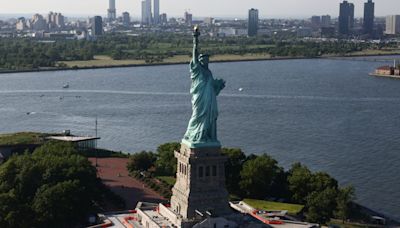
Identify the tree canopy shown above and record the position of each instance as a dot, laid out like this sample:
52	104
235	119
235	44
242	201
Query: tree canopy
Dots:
52	187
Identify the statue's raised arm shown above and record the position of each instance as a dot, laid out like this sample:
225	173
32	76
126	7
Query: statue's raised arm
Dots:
196	34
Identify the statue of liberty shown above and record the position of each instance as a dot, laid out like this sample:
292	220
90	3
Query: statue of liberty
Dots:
202	128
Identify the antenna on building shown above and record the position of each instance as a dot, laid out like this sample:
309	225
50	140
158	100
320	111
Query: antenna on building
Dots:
95	141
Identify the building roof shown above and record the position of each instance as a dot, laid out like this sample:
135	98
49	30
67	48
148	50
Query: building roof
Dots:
73	138
384	67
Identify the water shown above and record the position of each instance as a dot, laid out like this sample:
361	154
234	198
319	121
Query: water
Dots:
328	114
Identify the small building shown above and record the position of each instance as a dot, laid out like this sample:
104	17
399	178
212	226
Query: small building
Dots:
397	72
81	142
385	70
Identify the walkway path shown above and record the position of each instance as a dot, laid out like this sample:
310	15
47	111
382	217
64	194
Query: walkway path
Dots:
114	174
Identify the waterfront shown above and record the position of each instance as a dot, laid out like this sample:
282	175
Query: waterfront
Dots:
328	114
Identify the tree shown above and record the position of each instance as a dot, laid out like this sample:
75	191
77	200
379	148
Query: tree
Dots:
300	182
321	205
52	187
322	180
166	161
344	199
141	161
258	176
233	166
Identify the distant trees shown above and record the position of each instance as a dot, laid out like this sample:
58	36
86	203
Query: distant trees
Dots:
166	161
233	167
258	176
28	53
141	161
163	162
53	187
344	199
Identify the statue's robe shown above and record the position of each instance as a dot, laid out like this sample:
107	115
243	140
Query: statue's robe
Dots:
204	89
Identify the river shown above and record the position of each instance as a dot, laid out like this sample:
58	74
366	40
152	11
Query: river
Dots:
328	114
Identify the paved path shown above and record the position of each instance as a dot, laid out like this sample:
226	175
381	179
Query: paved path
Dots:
114	174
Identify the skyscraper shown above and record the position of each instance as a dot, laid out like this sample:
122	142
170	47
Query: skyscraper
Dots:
97	26
156	12
163	19
38	22
126	18
346	17
368	25
392	24
325	21
315	21
112	12
188	18
253	22
146	12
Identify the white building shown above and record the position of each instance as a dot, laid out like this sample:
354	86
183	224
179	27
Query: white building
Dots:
21	24
392	24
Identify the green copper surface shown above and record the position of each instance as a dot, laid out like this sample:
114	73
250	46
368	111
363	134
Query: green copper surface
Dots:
202	128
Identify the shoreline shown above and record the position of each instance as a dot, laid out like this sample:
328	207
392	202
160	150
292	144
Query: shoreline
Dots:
385	75
187	62
110	157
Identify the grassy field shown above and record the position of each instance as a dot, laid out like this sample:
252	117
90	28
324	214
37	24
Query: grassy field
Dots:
106	61
170	180
272	206
375	52
22	138
101	61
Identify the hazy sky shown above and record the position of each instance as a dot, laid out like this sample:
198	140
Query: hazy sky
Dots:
199	8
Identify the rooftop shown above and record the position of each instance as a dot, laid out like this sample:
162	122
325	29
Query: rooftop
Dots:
73	138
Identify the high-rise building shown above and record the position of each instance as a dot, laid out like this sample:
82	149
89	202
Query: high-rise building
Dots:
146	12
21	24
112	11
59	20
325	21
315	21
156	12
368	25
392	24
252	22
55	20
97	26
163	19
38	22
346	17
208	20
126	19
188	18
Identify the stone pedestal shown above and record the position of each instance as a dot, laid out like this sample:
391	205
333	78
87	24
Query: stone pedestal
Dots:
200	182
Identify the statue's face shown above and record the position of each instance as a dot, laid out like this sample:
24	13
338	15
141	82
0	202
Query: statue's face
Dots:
204	60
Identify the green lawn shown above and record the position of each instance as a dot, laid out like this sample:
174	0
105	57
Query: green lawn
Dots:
170	180
350	225
272	206
22	138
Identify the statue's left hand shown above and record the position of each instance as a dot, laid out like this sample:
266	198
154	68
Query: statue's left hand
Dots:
219	84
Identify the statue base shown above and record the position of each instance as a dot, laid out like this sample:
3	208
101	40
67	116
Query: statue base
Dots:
200	182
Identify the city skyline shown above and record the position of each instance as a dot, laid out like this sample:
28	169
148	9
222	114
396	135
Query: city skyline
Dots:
274	8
